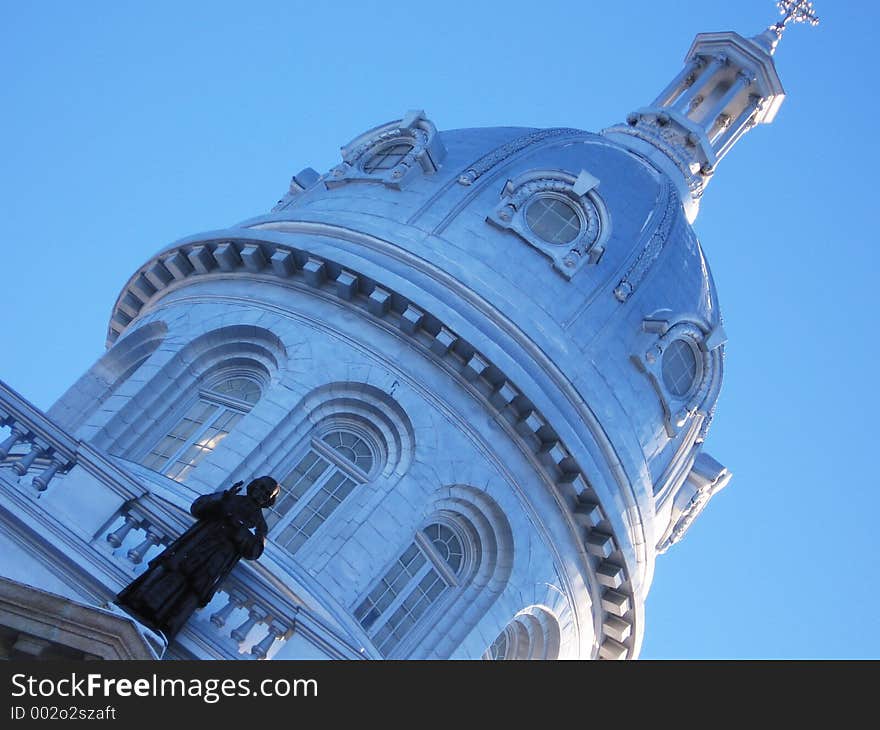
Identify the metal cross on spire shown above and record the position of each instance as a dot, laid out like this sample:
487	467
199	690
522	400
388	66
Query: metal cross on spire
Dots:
795	11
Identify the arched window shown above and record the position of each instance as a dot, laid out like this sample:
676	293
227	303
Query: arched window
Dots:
322	478
512	643
204	425
434	561
532	634
387	157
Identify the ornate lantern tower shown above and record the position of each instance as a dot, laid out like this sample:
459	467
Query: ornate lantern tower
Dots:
483	364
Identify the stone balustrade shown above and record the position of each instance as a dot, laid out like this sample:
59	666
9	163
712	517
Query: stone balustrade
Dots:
244	622
247	616
254	624
136	535
36	450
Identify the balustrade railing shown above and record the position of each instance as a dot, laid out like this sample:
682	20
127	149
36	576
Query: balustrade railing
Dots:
35	447
247	615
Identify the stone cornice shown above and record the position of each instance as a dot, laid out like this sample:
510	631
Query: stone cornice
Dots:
251	254
59	620
277	258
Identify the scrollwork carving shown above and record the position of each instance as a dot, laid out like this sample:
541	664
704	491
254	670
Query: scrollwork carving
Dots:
578	192
425	154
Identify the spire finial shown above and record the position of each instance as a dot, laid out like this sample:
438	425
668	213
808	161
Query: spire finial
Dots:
794	11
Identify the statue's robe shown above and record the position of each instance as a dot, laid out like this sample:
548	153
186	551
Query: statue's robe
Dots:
185	575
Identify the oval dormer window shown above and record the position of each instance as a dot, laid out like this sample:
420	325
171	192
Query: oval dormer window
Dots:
680	368
553	219
387	157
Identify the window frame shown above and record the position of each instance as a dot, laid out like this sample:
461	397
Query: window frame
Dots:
203	394
424	158
453	580
576	208
697	376
336	463
579	193
707	346
379	148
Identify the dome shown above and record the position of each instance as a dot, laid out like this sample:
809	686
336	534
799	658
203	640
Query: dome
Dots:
562	256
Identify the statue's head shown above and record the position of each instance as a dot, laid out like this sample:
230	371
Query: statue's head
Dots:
264	490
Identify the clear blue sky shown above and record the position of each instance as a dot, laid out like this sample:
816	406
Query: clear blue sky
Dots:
125	126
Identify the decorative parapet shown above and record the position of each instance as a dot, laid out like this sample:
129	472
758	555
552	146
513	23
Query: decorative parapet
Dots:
136	530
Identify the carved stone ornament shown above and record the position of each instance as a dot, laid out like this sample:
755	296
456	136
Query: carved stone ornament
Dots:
299	183
579	193
418	151
707	346
706	478
669	133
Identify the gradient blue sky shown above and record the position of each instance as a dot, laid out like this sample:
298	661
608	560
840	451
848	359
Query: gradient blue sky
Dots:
125	126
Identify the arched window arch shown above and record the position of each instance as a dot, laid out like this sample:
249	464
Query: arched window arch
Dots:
339	455
220	404
512	643
532	634
82	402
440	557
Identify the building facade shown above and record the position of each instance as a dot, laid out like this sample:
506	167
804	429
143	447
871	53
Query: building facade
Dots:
482	363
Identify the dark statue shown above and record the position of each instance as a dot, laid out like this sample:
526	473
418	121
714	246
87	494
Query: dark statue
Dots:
185	575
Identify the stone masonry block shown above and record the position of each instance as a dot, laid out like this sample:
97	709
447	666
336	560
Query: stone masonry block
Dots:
315	272
530	424
253	257
158	275
379	302
227	256
410	319
178	264
610	575
616	603
283	263
143	288
475	367
616	628
346	285
443	341
588	514
202	259
600	544
611	649
502	396
130	304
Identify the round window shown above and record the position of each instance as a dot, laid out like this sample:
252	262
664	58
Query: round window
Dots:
387	157
553	220
679	367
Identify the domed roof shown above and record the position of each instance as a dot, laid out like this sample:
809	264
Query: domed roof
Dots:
557	260
577	242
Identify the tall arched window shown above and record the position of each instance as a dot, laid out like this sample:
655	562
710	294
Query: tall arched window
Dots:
434	561
204	425
335	462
